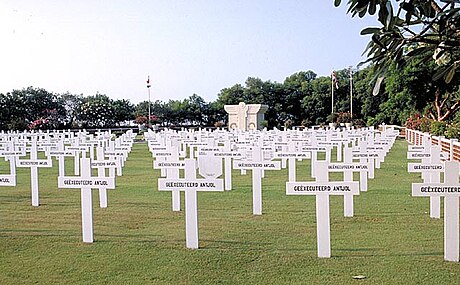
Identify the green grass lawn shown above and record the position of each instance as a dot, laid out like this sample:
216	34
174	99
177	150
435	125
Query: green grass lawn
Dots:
139	240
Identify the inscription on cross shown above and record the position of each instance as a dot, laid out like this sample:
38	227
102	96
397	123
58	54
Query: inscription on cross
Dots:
430	169
34	163
322	189
10	154
256	164
450	190
85	183
190	185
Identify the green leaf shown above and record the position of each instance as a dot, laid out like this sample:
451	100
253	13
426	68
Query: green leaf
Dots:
409	16
378	84
451	73
371	30
337	3
440	73
362	4
409	7
389	19
372	7
376	40
416	51
383	13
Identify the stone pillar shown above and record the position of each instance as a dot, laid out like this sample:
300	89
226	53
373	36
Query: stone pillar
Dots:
245	116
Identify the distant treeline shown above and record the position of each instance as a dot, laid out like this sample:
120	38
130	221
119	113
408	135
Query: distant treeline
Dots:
302	99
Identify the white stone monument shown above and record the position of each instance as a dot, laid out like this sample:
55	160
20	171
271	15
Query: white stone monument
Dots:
245	117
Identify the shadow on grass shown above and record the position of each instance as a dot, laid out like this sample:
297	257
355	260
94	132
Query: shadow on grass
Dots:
36	232
206	244
366	252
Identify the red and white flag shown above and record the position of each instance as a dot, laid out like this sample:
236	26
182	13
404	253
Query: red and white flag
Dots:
335	82
148	82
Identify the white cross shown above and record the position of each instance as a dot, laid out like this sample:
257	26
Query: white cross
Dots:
171	166
257	165
430	168
450	190
85	183
322	188
190	184
34	163
348	167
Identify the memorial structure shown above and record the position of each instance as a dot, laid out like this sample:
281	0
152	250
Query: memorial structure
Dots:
245	117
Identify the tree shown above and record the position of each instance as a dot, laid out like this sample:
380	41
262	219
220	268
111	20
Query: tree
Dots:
411	89
70	103
215	114
13	111
123	111
196	109
159	110
254	90
231	96
22	107
96	112
444	107
428	27
275	96
317	102
296	87
365	105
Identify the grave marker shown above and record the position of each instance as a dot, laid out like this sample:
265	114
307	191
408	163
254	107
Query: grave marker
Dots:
190	184
347	168
34	163
431	156
171	168
322	188
101	165
60	155
86	183
256	164
7	180
450	190
291	155
10	155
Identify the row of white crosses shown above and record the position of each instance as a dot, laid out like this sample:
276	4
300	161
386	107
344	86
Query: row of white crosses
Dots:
322	188
8	152
166	150
430	168
432	165
256	151
110	154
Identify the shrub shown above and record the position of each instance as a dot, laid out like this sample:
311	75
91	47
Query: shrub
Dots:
438	128
40	124
344	117
219	124
419	123
452	131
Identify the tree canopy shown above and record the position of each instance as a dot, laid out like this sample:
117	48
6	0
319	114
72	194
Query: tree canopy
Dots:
303	98
410	28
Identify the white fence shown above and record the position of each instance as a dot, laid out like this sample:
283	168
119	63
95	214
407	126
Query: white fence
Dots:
451	146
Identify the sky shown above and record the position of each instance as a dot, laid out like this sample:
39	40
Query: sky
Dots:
186	46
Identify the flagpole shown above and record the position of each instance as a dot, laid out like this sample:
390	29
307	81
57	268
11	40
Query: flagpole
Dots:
149	108
351	92
148	88
332	88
